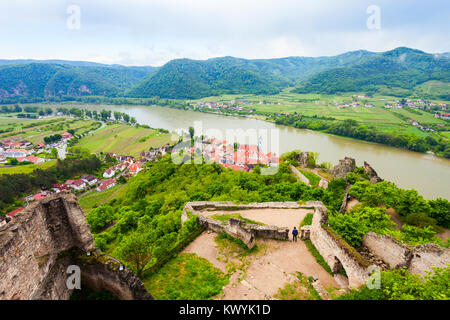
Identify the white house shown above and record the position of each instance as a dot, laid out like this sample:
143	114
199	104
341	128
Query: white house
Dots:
109	172
106	184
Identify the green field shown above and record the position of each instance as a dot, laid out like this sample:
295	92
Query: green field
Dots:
94	198
34	130
26	168
124	139
325	105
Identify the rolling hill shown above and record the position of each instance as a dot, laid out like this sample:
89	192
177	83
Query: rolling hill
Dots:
400	70
65	78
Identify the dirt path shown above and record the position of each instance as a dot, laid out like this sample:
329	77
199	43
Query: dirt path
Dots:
351	204
260	275
444	235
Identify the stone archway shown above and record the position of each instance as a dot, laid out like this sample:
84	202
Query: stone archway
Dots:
337	265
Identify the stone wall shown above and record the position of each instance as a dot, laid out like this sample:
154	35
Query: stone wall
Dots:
392	252
31	265
335	254
30	244
246	231
300	176
417	259
427	256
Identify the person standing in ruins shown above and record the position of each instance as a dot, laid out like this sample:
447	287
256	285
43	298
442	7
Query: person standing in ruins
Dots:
294	234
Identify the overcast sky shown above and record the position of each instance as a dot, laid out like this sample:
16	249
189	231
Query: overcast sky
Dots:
152	32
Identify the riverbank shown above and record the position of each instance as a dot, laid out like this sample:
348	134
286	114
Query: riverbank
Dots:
420	171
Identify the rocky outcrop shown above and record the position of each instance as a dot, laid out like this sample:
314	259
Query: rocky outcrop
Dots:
323	183
302	159
373	176
345	166
33	262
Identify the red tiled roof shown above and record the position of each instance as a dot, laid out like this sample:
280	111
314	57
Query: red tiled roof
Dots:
134	168
14	212
105	183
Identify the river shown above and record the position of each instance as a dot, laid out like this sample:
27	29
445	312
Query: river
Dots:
426	173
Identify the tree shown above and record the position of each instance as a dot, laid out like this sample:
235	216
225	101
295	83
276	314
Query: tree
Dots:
54	153
126	117
101	217
117	115
191	132
135	250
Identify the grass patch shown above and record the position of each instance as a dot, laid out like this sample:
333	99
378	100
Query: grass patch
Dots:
313	178
186	277
224	240
27	168
95	198
226	217
307	220
300	289
316	254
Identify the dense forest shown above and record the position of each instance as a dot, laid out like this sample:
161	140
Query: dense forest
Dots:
41	80
400	68
397	71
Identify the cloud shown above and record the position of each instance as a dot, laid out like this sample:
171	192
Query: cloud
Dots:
138	32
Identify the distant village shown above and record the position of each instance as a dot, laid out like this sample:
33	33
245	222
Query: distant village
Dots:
241	157
126	167
232	105
25	151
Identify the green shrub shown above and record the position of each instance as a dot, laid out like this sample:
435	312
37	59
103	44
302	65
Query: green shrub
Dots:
360	220
420	220
186	277
402	285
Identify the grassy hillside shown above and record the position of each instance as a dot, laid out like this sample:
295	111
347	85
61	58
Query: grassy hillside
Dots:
124	139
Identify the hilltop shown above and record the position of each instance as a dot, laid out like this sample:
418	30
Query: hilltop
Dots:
398	70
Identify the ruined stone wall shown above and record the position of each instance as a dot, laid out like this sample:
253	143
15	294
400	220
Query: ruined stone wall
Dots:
417	259
345	166
392	252
267	232
334	254
196	206
30	244
300	176
427	256
34	259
